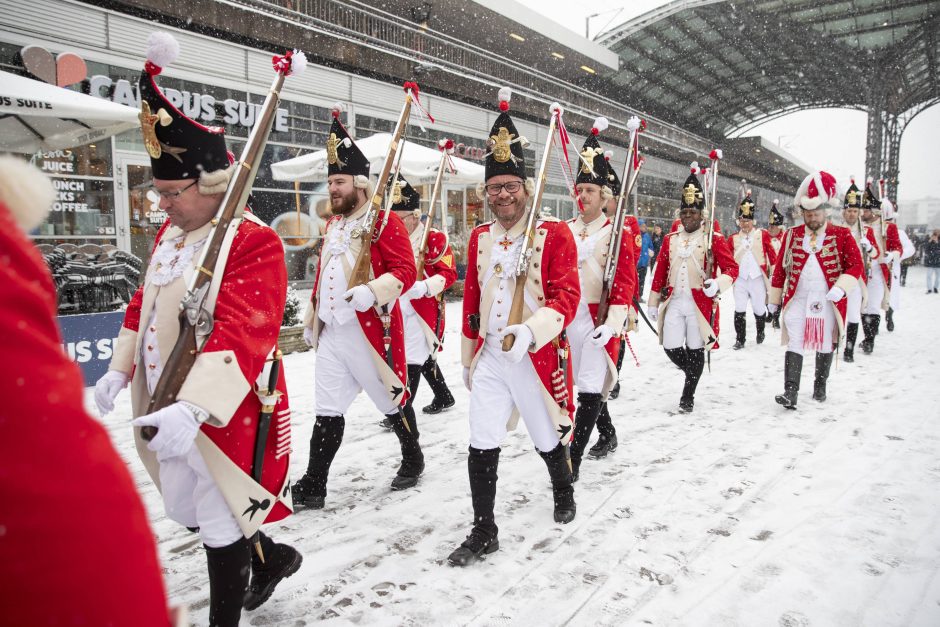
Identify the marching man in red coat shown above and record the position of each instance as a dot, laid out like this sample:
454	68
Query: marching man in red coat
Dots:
596	347
754	253
888	241
776	230
682	296
818	265
357	332
868	245
202	456
534	377
422	306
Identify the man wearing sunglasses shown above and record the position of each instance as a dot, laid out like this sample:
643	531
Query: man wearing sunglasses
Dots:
533	378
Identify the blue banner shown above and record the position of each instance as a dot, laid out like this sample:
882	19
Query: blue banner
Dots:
89	341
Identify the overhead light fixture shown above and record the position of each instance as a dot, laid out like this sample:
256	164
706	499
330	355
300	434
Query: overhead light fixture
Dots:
588	69
517	37
558	55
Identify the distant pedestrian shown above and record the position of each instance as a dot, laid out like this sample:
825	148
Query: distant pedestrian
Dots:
932	261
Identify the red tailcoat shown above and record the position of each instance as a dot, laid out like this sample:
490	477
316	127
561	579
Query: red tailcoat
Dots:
766	261
839	258
876	251
890	243
391	254
632	233
76	547
439	261
246	320
553	270
662	290
776	241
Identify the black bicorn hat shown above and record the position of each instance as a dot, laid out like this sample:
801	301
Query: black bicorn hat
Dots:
613	181
869	200
342	154
505	144
746	207
776	218
593	164
853	196
693	195
179	147
404	197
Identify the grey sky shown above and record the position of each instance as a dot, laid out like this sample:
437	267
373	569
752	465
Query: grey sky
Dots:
831	139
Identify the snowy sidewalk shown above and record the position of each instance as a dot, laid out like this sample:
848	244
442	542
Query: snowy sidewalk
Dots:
742	513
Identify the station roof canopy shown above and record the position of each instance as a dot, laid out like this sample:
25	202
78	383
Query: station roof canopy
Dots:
720	67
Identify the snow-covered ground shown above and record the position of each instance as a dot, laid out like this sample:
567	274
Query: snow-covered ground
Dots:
742	513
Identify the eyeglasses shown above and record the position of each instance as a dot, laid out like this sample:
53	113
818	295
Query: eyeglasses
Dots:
495	188
171	196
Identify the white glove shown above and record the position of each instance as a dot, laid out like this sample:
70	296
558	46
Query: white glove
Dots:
466	377
890	257
866	246
836	294
360	297
418	290
308	336
710	287
176	430
652	313
601	335
523	335
107	388
772	309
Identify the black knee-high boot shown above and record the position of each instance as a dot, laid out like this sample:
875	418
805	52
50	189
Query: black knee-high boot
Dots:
695	360
443	399
760	321
740	329
792	369
851	334
412	458
280	562
823	363
481	469
889	319
589	407
562	484
606	435
870	324
310	490
229	569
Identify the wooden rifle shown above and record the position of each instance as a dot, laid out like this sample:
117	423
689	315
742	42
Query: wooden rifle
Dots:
363	266
616	236
709	237
194	315
446	147
521	271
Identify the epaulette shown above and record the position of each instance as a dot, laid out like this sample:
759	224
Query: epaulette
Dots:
548	218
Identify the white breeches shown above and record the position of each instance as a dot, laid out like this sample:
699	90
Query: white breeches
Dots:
192	499
497	388
680	327
344	367
795	319
588	362
853	313
753	290
876	291
416	342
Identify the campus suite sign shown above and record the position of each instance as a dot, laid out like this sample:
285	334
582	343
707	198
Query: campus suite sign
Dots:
201	107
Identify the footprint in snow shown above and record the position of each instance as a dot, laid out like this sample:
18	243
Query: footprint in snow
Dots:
793	619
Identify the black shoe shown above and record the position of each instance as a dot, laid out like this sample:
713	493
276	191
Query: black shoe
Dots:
306	495
686	405
408	474
614	391
437	406
792	369
694	366
279	564
386	424
738	345
761	321
412	458
603	447
476	546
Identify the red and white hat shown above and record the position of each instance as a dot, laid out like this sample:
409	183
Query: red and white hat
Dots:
817	190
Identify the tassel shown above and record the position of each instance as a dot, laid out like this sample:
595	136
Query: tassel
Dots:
162	50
